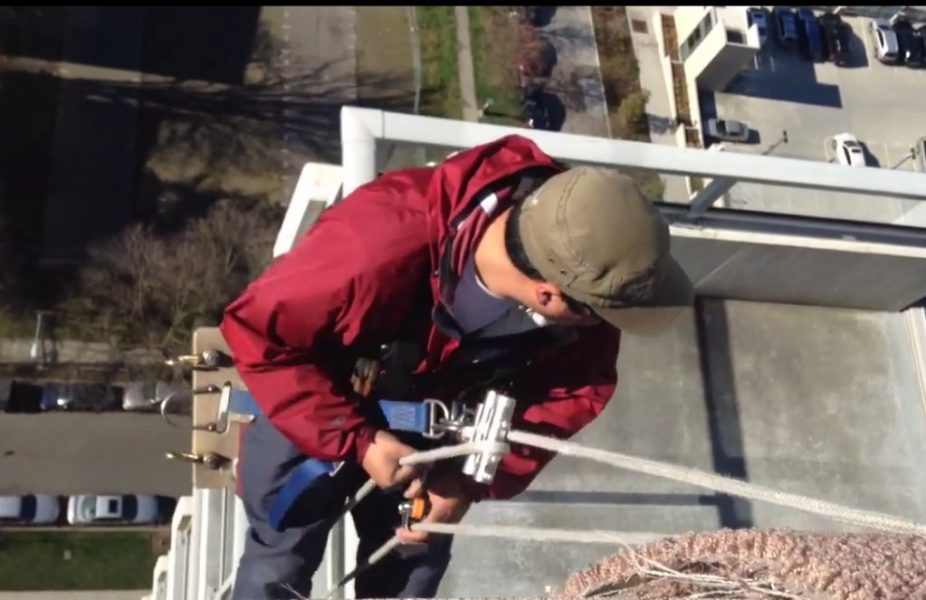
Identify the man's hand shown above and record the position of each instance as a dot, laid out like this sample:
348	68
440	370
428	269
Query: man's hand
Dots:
449	503
381	461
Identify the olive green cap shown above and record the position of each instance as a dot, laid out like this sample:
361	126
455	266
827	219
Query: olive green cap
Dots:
594	234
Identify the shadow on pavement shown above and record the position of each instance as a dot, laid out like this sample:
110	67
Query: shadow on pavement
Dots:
858	58
659	124
870	159
784	75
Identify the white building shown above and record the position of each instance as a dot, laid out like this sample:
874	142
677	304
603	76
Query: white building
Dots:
702	48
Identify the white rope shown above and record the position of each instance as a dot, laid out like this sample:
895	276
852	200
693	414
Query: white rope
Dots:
719	483
711	481
540	534
445	452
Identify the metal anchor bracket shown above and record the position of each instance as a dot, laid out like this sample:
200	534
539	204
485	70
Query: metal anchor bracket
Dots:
210	460
224	415
210	360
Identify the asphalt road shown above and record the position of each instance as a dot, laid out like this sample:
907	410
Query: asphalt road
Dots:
70	453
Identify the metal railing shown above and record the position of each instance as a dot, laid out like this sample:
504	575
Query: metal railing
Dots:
208	528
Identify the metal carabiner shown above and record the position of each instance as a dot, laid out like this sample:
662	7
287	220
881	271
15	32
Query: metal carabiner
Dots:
209	389
437	427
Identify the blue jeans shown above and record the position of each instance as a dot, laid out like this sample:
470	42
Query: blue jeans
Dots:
276	563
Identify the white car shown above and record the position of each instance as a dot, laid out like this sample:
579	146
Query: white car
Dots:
30	509
728	130
848	150
757	17
100	509
885	41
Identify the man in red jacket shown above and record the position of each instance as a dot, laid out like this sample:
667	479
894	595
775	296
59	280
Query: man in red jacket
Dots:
500	255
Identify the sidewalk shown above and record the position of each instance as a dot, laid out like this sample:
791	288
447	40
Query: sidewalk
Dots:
465	64
576	77
74	351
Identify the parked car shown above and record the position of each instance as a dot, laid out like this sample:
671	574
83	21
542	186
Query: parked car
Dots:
848	150
786	22
105	509
6	389
534	110
759	18
537	16
728	130
810	34
148	395
537	58
884	41
93	397
909	44
24	397
837	36
29	509
921	35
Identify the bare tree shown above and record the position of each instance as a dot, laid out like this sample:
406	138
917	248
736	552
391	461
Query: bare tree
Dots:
144	288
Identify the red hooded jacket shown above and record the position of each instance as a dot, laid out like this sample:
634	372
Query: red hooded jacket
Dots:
348	284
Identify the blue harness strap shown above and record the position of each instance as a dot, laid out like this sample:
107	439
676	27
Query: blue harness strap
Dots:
401	415
308	474
316	475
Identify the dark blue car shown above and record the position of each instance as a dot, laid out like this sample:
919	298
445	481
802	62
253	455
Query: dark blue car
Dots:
811	35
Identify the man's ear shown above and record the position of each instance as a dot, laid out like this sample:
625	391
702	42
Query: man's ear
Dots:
544	293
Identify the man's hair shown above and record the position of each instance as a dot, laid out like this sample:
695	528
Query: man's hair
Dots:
514	246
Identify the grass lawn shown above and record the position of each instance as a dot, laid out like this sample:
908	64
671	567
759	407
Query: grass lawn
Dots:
620	74
16	326
494	39
67	326
75	560
440	75
385	73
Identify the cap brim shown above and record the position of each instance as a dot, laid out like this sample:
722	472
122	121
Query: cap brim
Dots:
674	294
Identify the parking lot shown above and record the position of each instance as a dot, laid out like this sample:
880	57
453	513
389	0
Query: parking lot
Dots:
784	91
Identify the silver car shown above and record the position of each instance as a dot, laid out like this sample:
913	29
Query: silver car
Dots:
29	509
728	130
148	395
884	40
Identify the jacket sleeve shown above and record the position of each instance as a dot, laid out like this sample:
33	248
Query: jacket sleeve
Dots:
292	330
558	400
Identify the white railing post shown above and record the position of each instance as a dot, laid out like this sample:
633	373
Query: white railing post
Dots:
360	129
180	529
